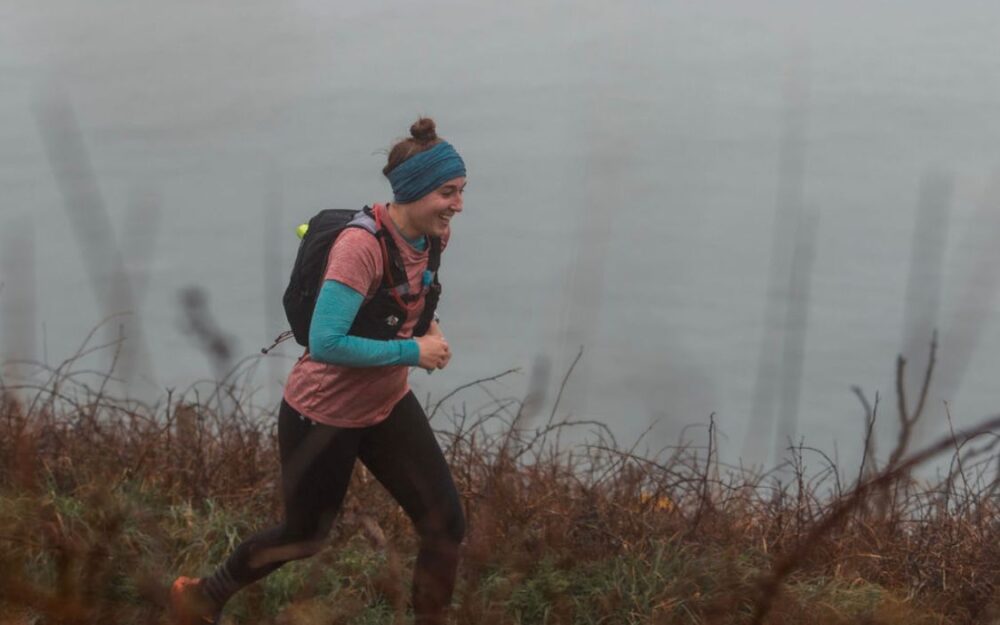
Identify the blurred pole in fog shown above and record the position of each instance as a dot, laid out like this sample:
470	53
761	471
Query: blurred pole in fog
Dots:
972	306
796	330
142	221
18	295
94	233
604	197
606	149
274	274
923	287
539	379
779	364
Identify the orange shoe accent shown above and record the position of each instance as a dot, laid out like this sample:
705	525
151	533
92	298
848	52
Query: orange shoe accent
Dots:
188	606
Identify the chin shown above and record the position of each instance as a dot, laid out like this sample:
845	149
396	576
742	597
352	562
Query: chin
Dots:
438	229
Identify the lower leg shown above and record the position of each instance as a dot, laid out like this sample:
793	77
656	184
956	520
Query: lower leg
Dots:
403	454
434	581
316	466
255	558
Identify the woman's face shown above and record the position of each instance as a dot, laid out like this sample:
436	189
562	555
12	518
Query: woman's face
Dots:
431	214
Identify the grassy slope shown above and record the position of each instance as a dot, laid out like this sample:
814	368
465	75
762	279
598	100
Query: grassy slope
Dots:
103	502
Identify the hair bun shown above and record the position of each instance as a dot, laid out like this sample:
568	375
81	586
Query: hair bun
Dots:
424	130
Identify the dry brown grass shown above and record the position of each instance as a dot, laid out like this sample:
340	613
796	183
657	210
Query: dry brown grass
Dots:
105	499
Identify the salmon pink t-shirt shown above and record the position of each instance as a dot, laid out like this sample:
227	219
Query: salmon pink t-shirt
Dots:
358	396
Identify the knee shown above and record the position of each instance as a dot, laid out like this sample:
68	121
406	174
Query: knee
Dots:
455	528
447	526
310	543
277	554
306	548
304	541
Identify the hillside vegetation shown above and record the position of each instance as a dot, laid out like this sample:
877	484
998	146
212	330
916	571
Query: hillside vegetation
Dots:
103	501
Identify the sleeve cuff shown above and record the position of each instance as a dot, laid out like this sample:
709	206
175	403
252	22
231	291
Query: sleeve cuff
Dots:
410	353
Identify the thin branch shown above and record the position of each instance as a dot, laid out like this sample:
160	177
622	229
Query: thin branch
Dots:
470	384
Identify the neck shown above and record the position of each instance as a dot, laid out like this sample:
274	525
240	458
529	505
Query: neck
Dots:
402	222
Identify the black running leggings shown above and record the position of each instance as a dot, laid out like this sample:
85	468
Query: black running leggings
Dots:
316	465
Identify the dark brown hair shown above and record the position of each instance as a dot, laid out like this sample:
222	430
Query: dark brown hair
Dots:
423	136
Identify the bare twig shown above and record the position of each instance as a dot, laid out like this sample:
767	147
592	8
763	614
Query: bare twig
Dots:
785	565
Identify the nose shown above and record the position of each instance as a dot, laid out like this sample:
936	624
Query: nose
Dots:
458	204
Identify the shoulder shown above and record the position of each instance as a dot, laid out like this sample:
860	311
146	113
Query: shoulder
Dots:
355	259
357	244
356	238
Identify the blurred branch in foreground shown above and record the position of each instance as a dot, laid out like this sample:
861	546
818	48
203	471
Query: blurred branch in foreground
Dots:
199	324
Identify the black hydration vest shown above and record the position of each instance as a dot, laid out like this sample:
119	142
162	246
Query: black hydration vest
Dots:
384	315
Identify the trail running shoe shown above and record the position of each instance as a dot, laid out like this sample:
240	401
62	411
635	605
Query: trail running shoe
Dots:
189	605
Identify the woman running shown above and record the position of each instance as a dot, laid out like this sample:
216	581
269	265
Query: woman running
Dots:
348	397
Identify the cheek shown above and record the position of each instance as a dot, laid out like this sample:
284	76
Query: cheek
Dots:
434	209
428	219
430	215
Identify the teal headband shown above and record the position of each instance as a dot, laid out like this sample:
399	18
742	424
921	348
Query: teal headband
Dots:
423	172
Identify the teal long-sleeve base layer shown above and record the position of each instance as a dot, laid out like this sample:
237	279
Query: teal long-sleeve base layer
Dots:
336	308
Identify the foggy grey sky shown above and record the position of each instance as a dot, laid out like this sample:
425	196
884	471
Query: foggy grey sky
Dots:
214	106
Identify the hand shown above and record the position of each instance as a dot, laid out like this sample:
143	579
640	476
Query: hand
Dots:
434	351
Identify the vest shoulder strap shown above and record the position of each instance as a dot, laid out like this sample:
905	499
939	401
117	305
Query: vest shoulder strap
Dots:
434	257
364	219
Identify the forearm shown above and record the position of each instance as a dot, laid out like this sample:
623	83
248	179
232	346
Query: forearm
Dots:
336	308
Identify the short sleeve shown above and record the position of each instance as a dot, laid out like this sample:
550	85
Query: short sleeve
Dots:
356	260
